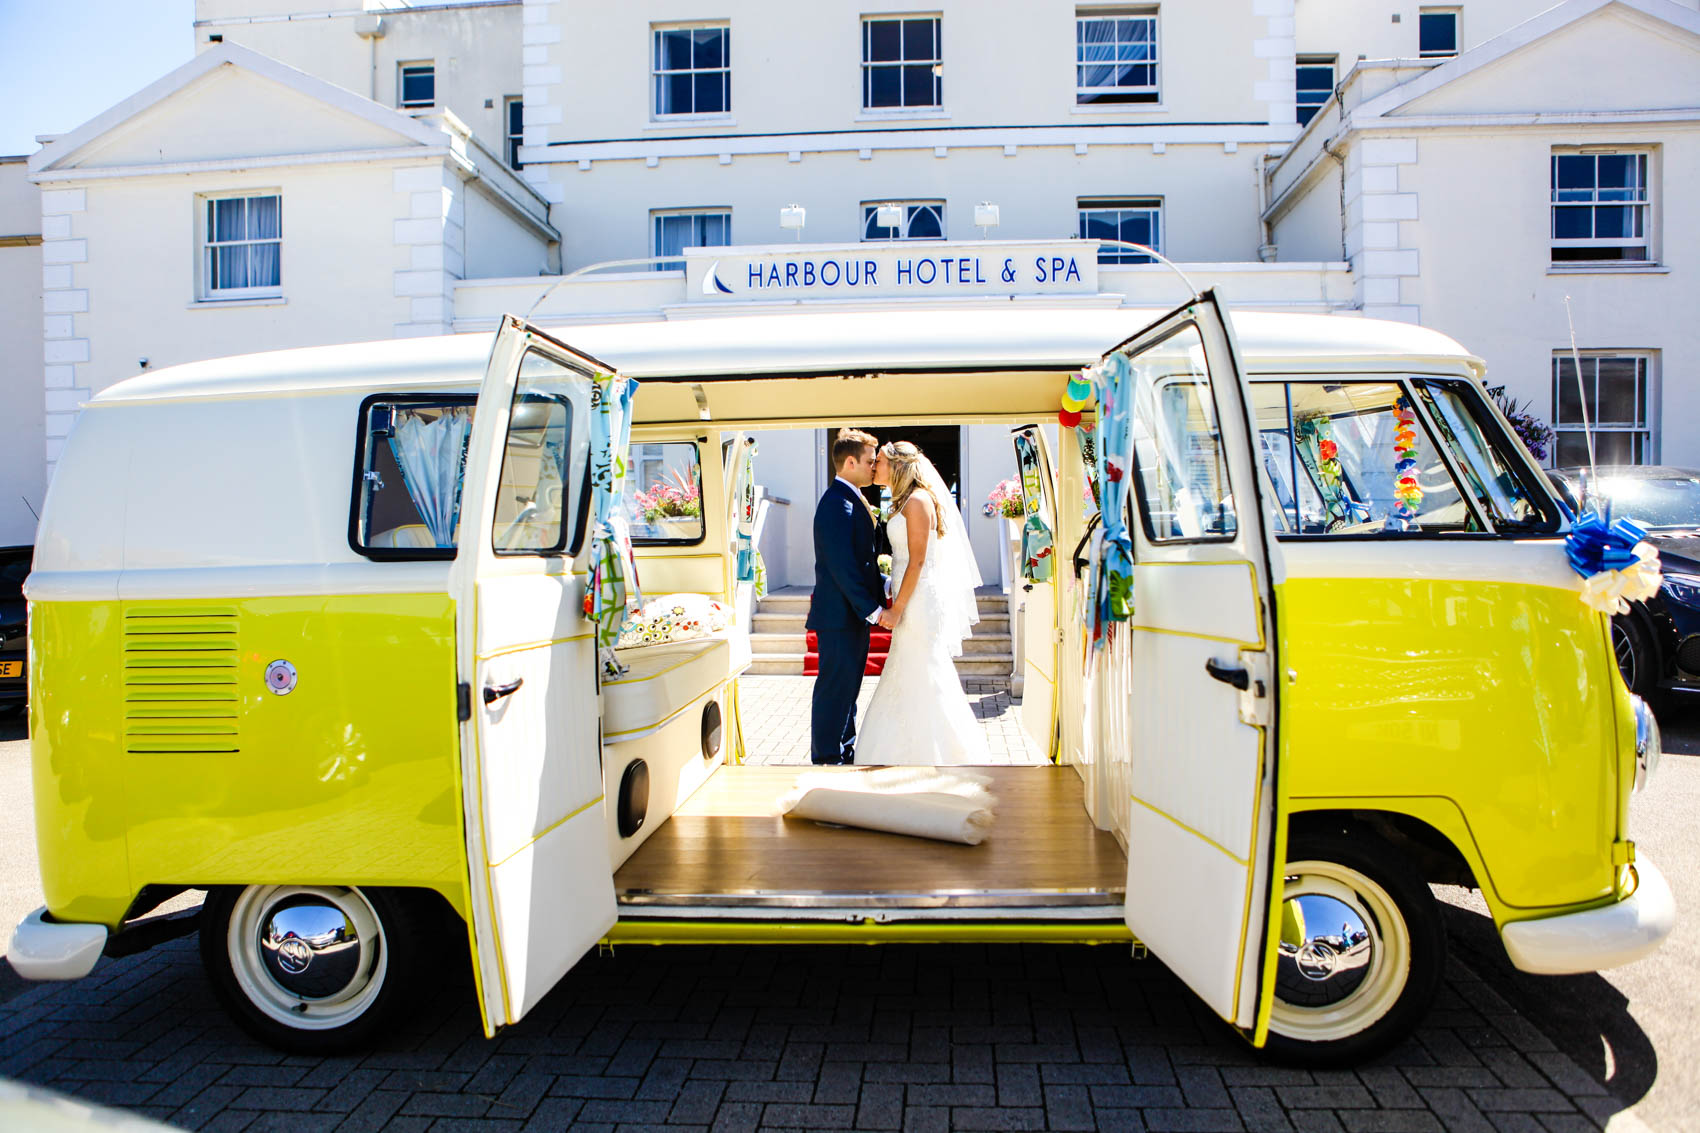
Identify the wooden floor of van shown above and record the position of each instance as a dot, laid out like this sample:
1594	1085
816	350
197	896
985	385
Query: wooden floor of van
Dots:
725	846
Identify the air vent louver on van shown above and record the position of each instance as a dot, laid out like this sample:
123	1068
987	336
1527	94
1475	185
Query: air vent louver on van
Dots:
180	692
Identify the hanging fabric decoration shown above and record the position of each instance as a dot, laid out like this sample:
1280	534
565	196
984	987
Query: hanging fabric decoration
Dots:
614	594
1406	490
1037	543
746	515
1321	455
1087	437
1616	563
1112	580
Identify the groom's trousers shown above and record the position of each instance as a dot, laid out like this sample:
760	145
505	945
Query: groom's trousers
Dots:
843	657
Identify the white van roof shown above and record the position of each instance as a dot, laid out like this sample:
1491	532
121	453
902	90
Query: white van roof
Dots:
825	343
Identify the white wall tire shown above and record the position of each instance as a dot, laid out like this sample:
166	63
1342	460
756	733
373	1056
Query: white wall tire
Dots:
1361	955
313	969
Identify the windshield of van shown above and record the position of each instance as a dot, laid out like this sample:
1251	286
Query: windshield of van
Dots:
1500	485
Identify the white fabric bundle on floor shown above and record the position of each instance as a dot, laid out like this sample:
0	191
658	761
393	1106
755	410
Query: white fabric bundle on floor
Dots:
924	802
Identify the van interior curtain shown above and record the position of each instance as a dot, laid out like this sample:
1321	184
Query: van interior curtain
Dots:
431	453
613	586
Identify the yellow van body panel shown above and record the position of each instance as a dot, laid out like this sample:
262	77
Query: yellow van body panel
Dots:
1468	698
164	759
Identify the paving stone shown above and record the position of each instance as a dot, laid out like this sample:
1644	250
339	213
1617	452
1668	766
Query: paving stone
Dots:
880	1106
971	1117
1390	1121
810	1116
1193	1121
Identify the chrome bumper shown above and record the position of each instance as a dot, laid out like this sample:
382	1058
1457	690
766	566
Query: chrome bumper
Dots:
49	950
1607	937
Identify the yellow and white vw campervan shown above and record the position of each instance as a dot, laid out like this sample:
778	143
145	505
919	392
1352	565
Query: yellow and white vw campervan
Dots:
309	631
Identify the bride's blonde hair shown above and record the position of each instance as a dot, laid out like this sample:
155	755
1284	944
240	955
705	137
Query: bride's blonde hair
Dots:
905	460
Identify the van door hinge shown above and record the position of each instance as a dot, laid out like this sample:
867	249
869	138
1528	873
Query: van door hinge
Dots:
463	702
1256	698
1623	853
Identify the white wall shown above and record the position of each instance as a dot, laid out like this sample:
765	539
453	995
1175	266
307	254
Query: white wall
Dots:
21	403
497	245
1352	28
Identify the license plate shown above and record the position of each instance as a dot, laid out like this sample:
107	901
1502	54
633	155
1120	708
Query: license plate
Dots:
11	668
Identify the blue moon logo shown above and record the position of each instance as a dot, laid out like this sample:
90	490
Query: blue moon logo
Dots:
711	282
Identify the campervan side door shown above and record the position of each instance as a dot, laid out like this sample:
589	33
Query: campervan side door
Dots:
1201	827
1033	595
541	883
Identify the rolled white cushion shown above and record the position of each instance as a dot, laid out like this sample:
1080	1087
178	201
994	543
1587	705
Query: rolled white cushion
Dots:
945	817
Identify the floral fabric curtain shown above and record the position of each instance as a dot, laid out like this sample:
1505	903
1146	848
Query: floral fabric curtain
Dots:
1037	542
1112	579
431	453
614	594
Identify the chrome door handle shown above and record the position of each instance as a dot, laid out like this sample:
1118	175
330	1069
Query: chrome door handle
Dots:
1235	675
493	693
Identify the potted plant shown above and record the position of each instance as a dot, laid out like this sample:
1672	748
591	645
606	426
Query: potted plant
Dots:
1005	500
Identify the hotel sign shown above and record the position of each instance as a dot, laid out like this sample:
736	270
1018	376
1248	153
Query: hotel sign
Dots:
899	268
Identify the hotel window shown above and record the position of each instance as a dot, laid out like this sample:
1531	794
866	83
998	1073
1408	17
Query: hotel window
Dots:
902	63
922	220
1600	203
1315	75
1437	32
1115	55
513	111
693	70
242	247
1138	220
676	231
1616	389
417	84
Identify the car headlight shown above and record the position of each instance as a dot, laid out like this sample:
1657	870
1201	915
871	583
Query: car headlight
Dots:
1683	588
1648	743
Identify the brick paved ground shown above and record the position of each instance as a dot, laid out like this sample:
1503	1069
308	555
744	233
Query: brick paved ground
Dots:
898	1037
775	711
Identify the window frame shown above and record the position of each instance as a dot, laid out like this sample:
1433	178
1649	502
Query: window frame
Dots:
514	138
656	30
574	526
702	535
696	214
429	66
1647	380
911	208
869	65
1300	63
1117	96
204	290
1155	204
1457	16
1646	241
362	433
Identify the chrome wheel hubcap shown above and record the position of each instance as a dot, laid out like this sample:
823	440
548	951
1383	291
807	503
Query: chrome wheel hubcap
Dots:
1344	955
309	957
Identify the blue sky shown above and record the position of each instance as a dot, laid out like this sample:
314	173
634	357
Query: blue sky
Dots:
64	61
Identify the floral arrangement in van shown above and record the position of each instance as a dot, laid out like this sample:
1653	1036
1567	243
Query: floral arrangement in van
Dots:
1005	500
1531	430
675	496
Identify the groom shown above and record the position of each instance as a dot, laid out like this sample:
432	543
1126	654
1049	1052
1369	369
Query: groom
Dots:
848	599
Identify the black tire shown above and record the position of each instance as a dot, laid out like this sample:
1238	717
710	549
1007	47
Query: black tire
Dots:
379	947
1637	659
1340	999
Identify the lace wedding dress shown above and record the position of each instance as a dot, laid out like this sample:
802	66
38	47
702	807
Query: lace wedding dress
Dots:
919	713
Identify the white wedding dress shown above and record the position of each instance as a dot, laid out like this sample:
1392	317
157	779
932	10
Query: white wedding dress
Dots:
919	713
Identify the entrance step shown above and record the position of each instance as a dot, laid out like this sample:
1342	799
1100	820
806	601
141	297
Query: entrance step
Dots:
968	665
779	636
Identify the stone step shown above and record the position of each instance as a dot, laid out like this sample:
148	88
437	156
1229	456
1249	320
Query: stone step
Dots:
968	665
788	602
990	625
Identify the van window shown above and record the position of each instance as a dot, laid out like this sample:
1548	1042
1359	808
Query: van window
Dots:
542	497
1181	471
664	493
1499	484
1354	458
410	465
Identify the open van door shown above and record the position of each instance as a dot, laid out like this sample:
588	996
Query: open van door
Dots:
541	886
1033	593
1202	827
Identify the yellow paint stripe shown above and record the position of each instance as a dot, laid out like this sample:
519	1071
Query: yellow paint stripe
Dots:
548	830
1195	636
695	655
510	650
867	931
647	729
1206	839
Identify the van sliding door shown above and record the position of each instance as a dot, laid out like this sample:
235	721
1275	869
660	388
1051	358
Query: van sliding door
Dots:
1202	827
541	884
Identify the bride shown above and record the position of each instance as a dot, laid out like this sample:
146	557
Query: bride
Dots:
919	713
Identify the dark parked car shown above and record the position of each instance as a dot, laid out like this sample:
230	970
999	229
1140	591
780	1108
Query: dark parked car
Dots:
1658	641
14	567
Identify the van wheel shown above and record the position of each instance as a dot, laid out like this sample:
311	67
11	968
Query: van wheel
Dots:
1361	953
312	969
1636	658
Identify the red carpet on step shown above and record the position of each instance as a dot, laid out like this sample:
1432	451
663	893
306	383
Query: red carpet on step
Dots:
879	643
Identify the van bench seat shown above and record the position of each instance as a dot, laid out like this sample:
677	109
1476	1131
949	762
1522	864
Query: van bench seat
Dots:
660	680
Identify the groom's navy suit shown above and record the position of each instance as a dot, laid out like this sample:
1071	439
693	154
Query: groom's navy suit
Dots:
848	590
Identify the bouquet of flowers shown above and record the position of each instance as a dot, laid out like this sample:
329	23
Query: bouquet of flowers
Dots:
1005	500
884	562
673	496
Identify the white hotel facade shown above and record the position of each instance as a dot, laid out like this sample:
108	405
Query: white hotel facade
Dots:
325	172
